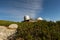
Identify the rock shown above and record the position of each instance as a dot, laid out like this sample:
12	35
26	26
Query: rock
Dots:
1	39
5	32
13	26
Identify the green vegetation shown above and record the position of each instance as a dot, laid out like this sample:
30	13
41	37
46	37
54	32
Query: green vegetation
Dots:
40	30
6	23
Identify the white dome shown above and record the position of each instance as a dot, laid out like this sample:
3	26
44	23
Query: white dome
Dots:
26	17
39	18
13	26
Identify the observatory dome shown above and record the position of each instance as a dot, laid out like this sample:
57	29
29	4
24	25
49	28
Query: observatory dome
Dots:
39	18
26	17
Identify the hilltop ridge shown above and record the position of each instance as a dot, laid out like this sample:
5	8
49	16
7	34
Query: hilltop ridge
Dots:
40	30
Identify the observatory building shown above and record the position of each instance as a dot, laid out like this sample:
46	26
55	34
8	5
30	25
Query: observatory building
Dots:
26	18
39	18
29	19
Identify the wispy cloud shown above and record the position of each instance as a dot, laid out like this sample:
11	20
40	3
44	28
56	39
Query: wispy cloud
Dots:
19	8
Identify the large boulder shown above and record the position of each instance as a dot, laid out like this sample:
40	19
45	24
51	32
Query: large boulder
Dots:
13	26
1	39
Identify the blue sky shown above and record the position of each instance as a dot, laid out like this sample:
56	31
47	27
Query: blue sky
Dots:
14	10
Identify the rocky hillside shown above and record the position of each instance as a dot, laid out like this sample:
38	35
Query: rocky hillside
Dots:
39	30
6	32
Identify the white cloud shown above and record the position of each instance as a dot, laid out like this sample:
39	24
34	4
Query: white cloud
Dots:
23	7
